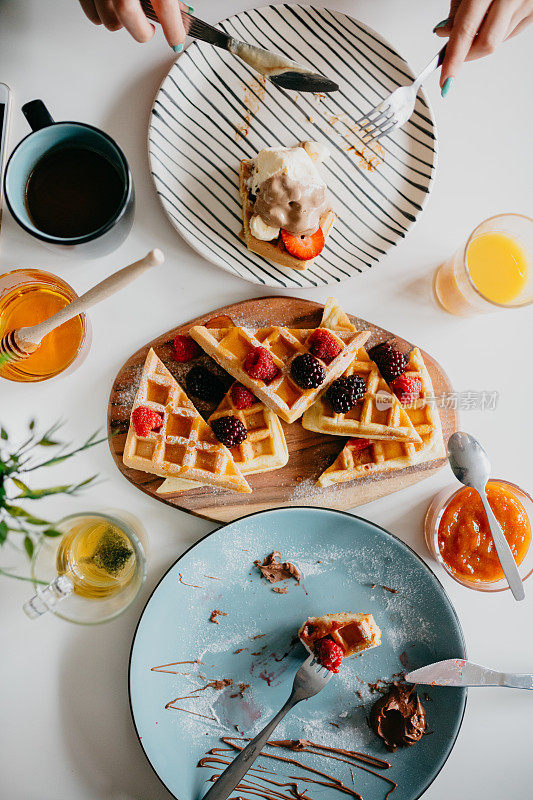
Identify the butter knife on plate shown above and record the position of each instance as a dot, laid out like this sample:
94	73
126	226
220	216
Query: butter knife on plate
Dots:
458	672
281	71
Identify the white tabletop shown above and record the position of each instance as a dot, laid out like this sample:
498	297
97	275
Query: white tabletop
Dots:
66	732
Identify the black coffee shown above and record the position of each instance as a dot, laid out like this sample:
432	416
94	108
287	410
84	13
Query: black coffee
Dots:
73	192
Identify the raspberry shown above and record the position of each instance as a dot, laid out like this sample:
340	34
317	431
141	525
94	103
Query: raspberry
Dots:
145	420
329	653
344	393
185	348
407	388
241	396
307	372
324	345
358	444
259	364
390	361
229	430
204	384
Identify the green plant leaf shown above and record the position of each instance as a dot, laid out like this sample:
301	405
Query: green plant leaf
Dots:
52	532
3	434
20	485
4	530
28	546
17	511
31	425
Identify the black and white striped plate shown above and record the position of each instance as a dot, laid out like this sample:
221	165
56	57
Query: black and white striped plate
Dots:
210	99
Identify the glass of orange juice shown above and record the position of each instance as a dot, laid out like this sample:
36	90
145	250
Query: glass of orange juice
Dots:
492	270
29	296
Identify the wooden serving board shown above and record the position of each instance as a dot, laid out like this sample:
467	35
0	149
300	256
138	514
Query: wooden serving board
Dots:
309	453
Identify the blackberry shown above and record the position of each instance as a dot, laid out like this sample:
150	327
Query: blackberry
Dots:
307	371
204	384
229	430
391	363
344	393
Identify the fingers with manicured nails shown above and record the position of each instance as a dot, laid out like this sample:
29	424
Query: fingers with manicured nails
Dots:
494	29
519	26
467	21
169	15
107	14
134	19
445	29
90	11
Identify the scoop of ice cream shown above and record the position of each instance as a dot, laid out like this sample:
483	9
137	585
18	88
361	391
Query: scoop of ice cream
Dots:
294	162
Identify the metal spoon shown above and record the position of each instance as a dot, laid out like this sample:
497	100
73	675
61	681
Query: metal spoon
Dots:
470	464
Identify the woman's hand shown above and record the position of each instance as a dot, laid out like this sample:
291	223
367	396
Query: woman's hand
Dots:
475	29
116	14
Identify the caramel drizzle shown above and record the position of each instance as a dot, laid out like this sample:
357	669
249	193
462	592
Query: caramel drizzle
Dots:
174	664
193	585
334	753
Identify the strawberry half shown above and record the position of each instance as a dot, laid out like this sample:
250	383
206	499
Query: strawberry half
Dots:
304	247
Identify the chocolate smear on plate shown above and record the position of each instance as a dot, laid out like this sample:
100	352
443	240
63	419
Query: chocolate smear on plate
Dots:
275	570
216	613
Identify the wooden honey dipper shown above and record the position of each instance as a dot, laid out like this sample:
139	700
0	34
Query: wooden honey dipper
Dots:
19	344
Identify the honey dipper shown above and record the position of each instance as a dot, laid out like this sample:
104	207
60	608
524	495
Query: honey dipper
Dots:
19	344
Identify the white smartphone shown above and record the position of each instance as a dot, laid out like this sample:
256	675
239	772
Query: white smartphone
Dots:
5	103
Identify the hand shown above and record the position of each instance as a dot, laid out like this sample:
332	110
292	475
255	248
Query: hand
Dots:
476	27
117	14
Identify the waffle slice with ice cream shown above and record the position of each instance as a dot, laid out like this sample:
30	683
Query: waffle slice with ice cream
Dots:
378	415
183	446
230	347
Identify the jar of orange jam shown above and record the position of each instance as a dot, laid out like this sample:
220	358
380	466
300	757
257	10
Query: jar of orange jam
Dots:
458	534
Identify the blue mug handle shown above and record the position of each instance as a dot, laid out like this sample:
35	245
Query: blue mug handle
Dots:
37	115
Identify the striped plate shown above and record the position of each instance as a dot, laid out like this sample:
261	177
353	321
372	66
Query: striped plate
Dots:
211	112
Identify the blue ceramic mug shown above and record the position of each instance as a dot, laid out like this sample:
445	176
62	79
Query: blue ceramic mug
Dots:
48	137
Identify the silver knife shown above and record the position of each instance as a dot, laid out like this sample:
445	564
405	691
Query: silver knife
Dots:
280	70
457	672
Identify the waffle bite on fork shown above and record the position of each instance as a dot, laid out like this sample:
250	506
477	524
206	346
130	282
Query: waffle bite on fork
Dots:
333	637
174	440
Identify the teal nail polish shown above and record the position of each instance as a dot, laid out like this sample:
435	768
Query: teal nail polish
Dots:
441	24
191	9
178	48
446	88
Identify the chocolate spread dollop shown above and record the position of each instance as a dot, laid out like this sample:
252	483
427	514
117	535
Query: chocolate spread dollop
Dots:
399	718
283	202
275	570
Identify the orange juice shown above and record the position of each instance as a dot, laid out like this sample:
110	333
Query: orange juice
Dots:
498	266
34	297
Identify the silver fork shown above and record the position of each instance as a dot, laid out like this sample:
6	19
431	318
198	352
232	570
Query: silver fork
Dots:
308	681
397	108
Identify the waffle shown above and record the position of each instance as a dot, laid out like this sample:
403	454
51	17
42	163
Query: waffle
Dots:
378	415
383	456
185	446
275	250
230	346
353	632
264	448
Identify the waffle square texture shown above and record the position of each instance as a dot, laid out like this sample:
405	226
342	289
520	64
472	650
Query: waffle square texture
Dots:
230	346
185	446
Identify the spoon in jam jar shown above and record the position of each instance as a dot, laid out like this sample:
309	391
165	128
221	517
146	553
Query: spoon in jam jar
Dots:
471	466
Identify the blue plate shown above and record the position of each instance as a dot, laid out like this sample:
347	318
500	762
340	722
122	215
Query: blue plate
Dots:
346	562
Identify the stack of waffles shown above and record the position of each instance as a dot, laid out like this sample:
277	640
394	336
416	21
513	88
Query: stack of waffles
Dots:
264	448
378	434
229	347
398	436
184	446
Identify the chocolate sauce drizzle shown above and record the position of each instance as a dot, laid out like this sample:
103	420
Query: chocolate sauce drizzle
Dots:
353	758
162	668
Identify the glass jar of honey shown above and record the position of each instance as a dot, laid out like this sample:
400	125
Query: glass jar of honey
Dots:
458	534
30	296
